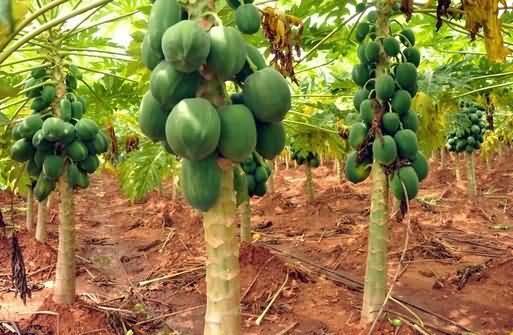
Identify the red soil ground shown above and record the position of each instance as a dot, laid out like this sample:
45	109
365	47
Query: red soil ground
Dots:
459	260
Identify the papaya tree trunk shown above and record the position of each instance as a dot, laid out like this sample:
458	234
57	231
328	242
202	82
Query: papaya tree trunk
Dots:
309	187
174	192
245	225
456	165
376	271
30	210
64	292
340	167
442	158
489	164
471	174
375	285
270	181
42	218
223	273
287	161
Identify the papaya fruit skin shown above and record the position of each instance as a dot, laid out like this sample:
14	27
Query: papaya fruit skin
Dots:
384	150
238	132
227	52
401	102
391	46
367	112
30	125
77	151
247	19
372	51
410	121
361	95
169	86
355	171
261	175
164	14
406	141
360	74
44	186
412	55
257	60
385	87
421	166
406	75
260	189
101	143
361	31
66	113
77	109
407	37
86	129
193	128
407	176
357	135
201	182
267	94
53	166
53	129
186	45
48	94
391	123
152	118
270	139
149	56
90	164
22	150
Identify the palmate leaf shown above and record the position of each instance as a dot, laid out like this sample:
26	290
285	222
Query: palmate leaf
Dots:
145	170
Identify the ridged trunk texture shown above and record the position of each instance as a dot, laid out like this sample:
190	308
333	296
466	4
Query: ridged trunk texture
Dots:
64	292
309	187
471	174
340	167
245	223
375	286
376	271
456	165
42	218
29	223
223	273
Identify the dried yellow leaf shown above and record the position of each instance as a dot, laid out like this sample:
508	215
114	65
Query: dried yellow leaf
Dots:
485	14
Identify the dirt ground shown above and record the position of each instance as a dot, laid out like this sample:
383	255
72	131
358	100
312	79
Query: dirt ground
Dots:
457	279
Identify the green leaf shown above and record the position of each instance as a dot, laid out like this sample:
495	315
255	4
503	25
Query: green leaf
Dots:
3	119
7	90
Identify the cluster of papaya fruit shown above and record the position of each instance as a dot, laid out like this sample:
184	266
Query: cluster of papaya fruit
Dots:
254	178
51	143
310	158
469	128
386	132
188	64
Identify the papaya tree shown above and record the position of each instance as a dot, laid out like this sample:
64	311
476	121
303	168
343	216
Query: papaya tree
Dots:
57	145
467	136
385	140
193	57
